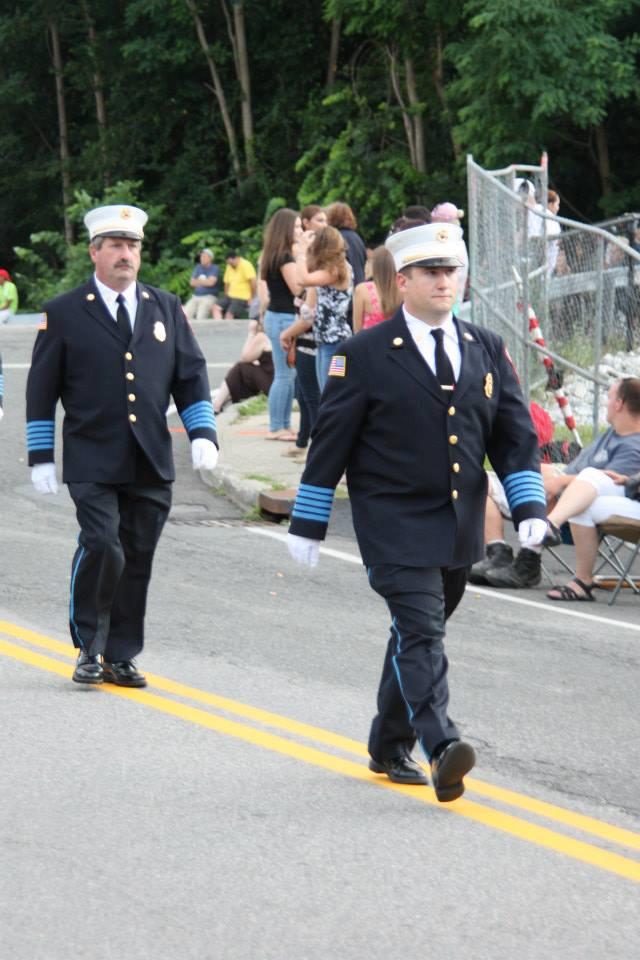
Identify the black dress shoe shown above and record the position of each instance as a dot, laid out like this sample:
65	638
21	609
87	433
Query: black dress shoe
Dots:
400	770
88	669
124	674
449	767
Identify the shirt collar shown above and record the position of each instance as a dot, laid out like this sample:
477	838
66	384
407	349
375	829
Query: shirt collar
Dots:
109	295
418	328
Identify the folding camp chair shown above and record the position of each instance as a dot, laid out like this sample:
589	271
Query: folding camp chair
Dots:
619	547
565	530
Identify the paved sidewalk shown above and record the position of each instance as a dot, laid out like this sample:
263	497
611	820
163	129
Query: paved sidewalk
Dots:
249	464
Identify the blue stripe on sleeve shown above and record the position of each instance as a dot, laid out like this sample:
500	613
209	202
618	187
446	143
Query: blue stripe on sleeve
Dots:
199	416
524	487
40	434
313	503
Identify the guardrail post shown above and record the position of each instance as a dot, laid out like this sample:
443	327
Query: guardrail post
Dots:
597	333
472	195
524	367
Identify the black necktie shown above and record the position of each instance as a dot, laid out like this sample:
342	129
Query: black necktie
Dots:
122	317
444	370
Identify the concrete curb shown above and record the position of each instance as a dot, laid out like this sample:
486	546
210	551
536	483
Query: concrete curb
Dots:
240	490
244	493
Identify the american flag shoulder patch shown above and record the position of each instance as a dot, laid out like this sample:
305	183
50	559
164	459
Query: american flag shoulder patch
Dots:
43	322
338	366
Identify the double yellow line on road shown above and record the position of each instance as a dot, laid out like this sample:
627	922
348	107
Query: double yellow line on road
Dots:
491	816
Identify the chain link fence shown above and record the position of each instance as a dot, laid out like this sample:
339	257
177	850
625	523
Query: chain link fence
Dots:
560	293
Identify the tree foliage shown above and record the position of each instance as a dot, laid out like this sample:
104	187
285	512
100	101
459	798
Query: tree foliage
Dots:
154	94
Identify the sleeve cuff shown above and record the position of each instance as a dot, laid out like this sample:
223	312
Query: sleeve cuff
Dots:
312	529
40	456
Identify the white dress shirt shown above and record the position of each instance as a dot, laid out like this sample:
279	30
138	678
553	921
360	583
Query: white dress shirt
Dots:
109	298
426	344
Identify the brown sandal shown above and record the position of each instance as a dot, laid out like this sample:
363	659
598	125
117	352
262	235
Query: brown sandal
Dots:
566	592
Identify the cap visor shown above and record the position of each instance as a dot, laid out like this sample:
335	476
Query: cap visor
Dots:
127	234
435	262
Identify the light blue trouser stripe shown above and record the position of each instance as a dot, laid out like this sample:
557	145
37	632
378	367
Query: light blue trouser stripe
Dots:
394	627
71	603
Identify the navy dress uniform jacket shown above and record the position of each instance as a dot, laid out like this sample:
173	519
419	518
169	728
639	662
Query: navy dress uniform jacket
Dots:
414	453
115	392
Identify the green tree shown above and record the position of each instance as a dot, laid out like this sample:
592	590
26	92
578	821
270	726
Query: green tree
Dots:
534	75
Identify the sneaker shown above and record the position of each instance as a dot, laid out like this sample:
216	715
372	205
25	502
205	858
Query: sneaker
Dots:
498	555
525	571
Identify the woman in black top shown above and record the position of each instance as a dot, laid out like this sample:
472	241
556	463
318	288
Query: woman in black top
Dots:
278	270
342	217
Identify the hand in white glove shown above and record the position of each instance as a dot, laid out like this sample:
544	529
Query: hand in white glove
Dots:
1	413
303	550
43	477
204	454
531	533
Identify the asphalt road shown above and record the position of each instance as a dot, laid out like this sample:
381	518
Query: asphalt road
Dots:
226	812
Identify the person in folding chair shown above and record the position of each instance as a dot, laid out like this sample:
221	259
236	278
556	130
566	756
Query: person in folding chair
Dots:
591	495
577	484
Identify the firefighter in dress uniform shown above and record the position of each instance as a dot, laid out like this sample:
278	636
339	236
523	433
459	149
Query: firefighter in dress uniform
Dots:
410	410
114	351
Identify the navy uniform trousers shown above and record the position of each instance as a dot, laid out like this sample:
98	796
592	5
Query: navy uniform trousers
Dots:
120	525
419	599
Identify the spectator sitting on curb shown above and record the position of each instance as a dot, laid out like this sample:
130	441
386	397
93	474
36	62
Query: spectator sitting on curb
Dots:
252	374
203	282
240	286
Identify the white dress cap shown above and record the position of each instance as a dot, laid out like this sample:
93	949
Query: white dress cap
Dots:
116	220
429	245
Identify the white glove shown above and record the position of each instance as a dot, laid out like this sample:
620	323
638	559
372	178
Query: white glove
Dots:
43	477
303	550
1	413
204	454
531	533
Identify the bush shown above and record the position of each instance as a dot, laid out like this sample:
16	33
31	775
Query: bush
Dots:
50	266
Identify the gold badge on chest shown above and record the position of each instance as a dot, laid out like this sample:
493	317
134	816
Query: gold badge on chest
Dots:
488	386
159	331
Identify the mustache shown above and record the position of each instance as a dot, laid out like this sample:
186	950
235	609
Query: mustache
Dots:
123	263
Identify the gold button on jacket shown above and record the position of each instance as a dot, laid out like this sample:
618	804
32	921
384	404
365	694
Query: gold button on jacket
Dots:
453	439
132	417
